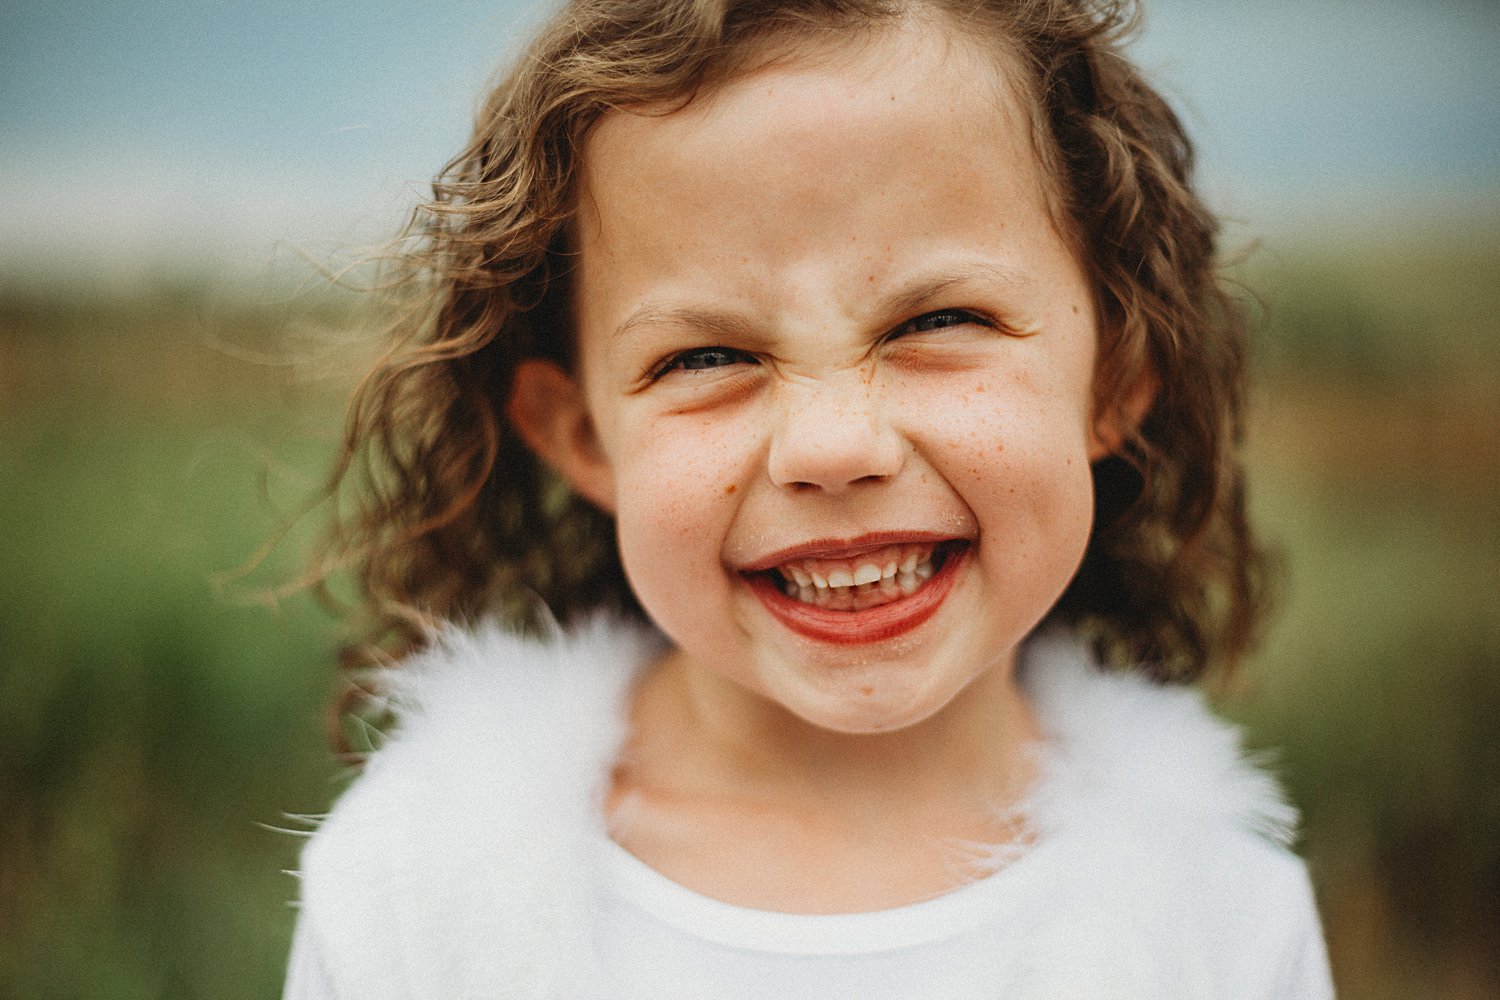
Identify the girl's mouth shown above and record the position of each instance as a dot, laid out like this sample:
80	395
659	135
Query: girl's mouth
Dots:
877	578
868	597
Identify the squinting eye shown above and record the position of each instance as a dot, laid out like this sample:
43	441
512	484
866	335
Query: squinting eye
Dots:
702	358
938	320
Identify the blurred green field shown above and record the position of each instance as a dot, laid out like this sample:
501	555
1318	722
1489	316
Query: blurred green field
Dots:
154	726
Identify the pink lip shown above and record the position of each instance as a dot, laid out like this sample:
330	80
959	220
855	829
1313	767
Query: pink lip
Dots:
844	549
848	628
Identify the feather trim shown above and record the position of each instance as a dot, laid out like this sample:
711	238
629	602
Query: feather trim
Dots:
460	863
1120	743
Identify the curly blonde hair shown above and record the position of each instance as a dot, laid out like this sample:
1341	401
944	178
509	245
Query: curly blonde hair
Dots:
456	518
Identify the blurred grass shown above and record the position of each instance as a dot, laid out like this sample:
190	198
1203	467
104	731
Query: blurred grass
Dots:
1376	452
149	723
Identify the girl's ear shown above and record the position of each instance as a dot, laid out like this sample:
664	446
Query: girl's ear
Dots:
549	412
1116	422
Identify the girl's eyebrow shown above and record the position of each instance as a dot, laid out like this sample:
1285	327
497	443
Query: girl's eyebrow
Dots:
908	297
718	323
922	290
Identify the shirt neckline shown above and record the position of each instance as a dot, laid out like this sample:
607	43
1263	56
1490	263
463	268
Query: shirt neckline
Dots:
689	912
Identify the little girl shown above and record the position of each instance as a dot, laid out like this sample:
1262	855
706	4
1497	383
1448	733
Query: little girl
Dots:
851	380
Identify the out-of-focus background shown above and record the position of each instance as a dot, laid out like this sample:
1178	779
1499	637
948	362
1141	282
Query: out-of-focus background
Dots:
165	167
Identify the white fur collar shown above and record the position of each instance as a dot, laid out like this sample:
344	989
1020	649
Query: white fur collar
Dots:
458	864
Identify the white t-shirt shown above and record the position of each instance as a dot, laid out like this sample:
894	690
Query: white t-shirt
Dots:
658	940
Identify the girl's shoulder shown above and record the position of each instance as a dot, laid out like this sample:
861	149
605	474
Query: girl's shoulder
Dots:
465	822
1156	826
490	726
1150	755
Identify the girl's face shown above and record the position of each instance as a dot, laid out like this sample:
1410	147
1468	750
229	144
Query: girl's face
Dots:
834	378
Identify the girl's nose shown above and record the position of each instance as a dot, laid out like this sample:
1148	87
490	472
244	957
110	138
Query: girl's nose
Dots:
833	435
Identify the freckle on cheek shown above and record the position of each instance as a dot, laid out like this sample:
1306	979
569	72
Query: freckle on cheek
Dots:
730	489
867	691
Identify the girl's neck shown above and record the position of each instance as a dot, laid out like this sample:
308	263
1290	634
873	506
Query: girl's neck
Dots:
731	795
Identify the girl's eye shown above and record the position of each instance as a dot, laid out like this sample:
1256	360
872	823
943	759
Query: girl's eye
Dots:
938	320
703	358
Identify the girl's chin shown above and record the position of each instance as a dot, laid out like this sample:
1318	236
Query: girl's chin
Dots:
870	720
867	698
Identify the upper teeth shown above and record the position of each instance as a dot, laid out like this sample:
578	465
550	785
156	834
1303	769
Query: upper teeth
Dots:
900	568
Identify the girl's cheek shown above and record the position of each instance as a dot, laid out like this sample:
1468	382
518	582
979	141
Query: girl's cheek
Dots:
971	419
1001	438
678	471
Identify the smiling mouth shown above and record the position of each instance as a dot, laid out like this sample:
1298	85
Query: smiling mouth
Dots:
873	595
868	581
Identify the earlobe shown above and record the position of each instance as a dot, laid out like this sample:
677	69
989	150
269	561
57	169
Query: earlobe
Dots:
1115	423
549	412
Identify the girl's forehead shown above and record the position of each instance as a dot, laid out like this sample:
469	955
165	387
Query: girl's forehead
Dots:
954	88
910	119
829	87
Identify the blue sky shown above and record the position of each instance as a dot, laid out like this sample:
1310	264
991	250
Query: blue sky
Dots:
153	131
